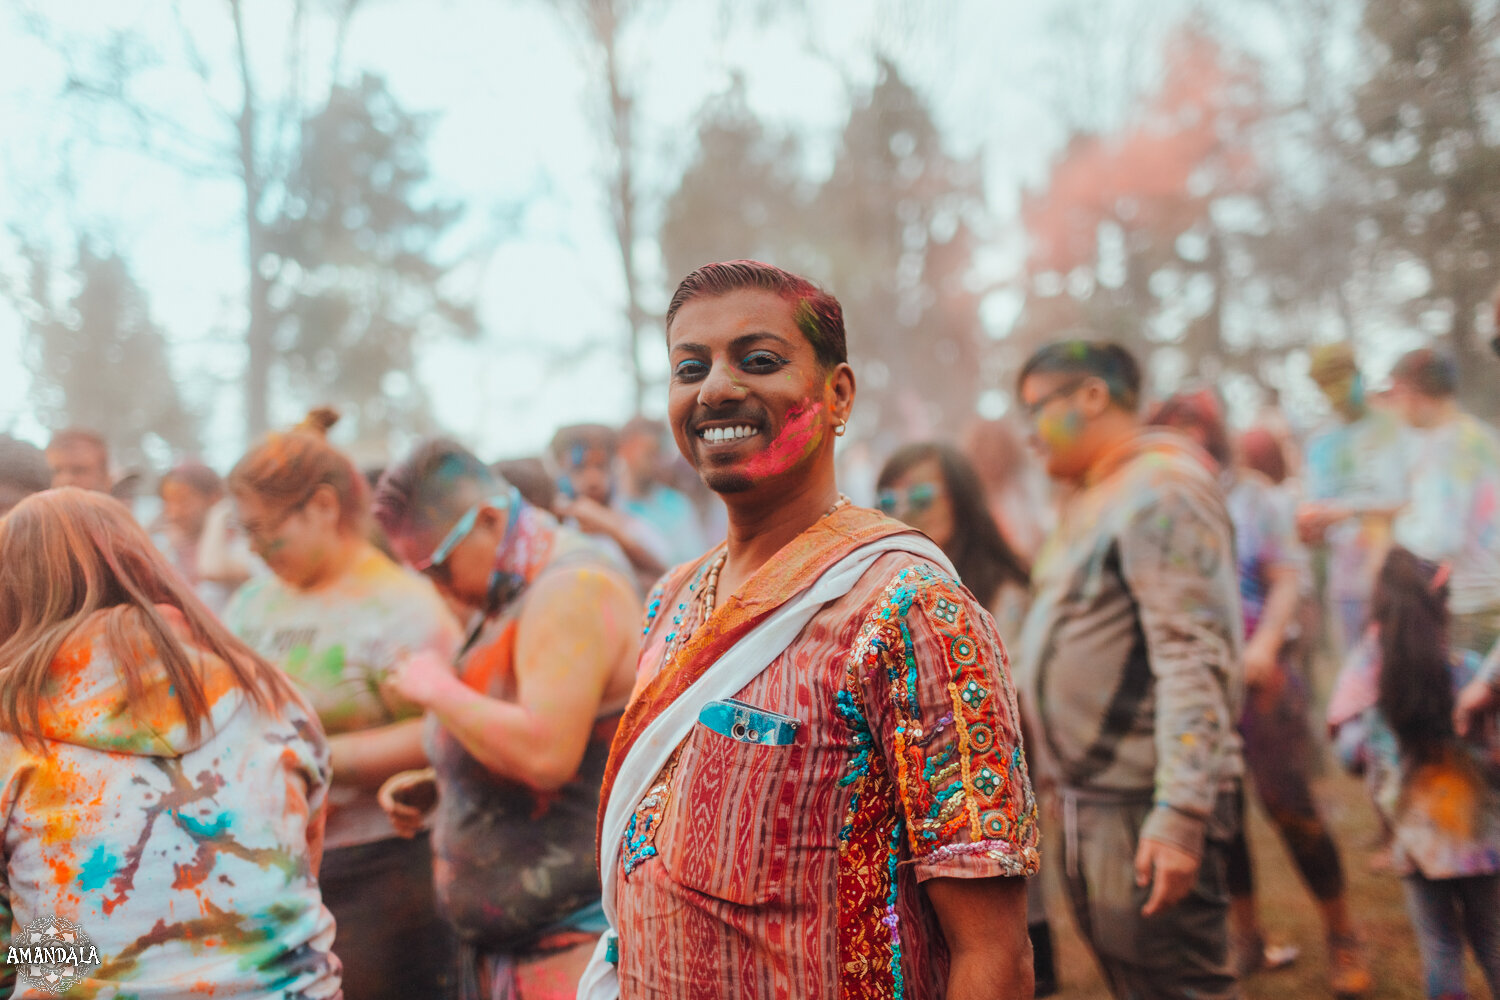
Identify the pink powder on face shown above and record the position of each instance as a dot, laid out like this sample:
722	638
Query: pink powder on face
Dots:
798	439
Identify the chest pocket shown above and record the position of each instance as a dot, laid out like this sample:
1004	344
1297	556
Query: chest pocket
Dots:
729	821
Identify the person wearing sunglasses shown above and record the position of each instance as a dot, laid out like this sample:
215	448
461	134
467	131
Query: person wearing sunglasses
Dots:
936	490
518	734
337	615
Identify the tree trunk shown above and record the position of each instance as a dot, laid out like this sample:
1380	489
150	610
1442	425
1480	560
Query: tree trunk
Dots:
258	333
623	195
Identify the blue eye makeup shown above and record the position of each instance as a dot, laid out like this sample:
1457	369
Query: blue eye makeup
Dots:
689	370
762	362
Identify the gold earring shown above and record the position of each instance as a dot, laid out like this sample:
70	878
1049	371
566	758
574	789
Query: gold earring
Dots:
840	428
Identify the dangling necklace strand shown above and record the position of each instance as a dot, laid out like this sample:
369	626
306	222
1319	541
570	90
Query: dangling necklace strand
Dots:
707	593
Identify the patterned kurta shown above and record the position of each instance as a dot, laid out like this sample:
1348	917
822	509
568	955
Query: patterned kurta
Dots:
793	871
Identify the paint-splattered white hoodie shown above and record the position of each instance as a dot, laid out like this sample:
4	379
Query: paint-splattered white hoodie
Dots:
191	864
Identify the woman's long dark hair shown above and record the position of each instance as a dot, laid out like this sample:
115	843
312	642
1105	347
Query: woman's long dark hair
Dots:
1410	607
983	558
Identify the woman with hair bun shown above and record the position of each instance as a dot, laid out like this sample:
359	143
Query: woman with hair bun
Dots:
338	615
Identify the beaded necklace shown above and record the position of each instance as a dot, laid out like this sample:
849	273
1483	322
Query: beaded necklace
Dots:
706	593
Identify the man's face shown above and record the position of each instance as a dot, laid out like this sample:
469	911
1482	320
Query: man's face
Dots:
463	575
749	403
640	453
80	465
1059	423
1415	409
184	508
589	472
1344	392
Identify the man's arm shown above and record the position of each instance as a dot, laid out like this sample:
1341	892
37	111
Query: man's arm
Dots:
572	640
984	922
1178	560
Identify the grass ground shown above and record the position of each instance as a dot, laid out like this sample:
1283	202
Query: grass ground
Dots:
1288	913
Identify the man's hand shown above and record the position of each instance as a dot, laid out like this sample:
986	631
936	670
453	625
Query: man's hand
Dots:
1475	700
1314	519
407	798
1169	870
593	517
419	679
1263	674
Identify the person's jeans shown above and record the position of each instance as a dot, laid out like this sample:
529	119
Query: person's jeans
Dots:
1444	914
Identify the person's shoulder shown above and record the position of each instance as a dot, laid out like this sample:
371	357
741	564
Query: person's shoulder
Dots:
1476	436
898	581
586	579
1166	475
251	595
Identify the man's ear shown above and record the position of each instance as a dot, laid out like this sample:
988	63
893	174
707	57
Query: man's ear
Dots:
492	518
1094	397
841	388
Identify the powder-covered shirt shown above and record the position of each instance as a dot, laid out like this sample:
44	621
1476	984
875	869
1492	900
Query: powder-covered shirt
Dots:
1444	816
191	862
1265	536
1130	657
337	642
757	870
1454	510
1363	464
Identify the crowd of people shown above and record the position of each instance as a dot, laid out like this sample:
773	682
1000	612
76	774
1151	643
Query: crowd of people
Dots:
608	722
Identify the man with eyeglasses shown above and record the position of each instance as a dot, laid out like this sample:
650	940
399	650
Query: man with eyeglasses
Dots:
1131	657
519	733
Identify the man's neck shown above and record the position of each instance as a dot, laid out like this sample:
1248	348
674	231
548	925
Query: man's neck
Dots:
1442	414
1354	412
1114	434
636	489
759	525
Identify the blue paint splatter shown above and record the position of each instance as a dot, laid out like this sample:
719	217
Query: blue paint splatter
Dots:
98	869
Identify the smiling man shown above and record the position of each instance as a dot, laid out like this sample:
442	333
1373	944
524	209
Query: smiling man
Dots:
818	789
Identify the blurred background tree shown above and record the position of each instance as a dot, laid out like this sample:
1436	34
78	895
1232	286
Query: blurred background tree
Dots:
1430	153
357	281
98	360
1219	186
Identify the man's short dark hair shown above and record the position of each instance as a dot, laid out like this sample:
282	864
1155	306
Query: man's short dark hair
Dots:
23	467
571	442
817	314
1102	359
1432	373
431	487
73	437
195	476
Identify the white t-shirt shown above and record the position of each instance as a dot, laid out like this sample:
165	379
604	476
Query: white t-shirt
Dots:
337	642
1454	510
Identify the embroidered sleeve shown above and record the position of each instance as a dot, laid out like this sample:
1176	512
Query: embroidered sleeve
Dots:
934	678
